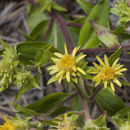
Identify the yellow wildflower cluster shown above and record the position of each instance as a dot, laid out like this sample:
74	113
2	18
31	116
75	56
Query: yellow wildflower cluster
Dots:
107	74
67	66
8	125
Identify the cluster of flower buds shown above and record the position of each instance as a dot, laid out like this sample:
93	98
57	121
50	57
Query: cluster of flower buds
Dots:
12	72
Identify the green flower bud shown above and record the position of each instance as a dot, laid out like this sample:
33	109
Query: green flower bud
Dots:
22	78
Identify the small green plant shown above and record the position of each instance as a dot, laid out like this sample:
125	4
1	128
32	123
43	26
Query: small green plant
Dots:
63	47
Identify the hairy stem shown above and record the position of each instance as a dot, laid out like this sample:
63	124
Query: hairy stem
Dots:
84	102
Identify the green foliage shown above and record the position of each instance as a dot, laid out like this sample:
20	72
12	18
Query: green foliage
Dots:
109	102
98	124
114	56
12	71
121	119
122	9
47	5
44	105
110	40
45	42
88	37
86	6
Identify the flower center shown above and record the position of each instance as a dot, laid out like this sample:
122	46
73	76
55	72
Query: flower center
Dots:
107	73
66	63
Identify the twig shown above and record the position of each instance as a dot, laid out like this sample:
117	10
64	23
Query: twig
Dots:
58	105
95	93
74	25
63	26
125	47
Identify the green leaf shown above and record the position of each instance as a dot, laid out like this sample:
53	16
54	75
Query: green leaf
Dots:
48	102
56	37
110	40
58	7
26	111
76	104
109	102
98	124
4	44
43	105
28	50
40	28
120	31
31	84
86	6
45	5
59	111
125	83
40	59
114	56
28	38
99	14
123	113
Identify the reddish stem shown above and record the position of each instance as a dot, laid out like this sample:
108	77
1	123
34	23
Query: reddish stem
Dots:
63	26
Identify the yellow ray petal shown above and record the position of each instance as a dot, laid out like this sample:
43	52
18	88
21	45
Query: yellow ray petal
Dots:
115	62
105	84
118	67
97	77
97	83
100	61
59	80
55	59
53	71
74	68
97	66
118	73
68	76
80	70
117	82
75	51
58	54
52	67
79	58
121	70
106	60
66	51
112	86
60	73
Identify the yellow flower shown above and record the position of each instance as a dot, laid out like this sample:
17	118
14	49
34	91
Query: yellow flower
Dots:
67	66
68	123
8	125
107	74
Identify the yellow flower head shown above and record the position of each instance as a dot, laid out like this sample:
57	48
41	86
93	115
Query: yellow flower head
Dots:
8	125
107	74
67	66
68	123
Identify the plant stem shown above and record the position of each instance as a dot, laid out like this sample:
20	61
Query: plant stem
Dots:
63	26
125	47
84	102
92	97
